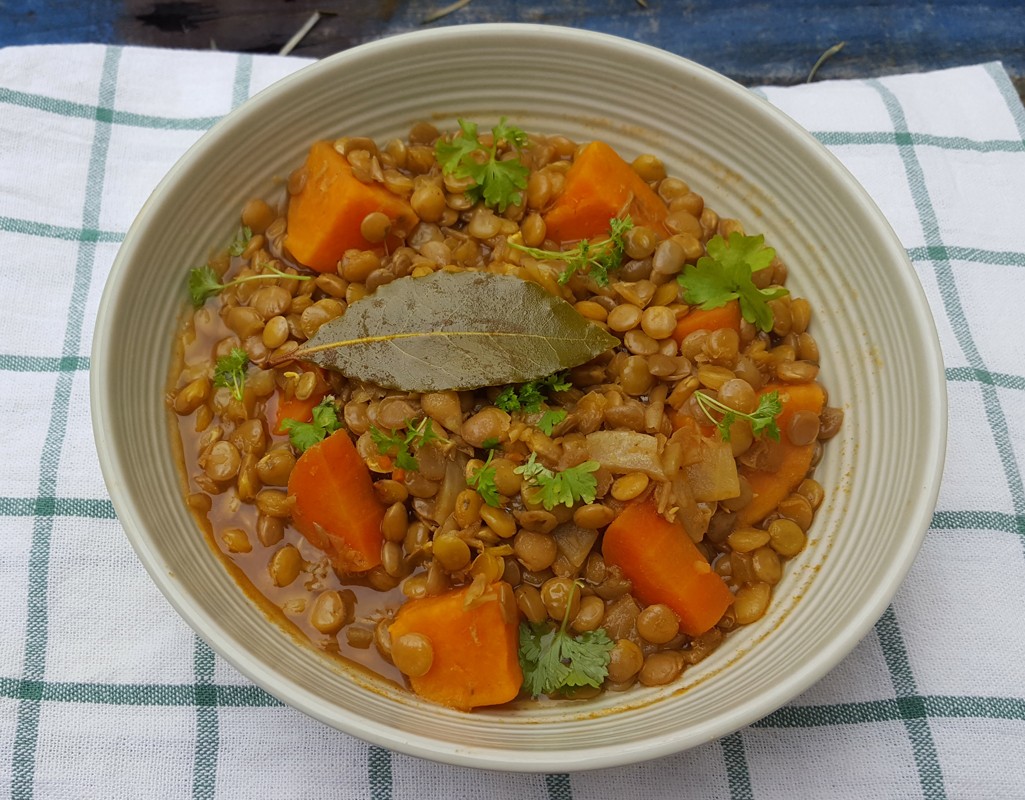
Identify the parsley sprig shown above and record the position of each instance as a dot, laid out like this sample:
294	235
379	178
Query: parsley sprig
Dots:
496	181
205	283
725	274
230	371
552	659
567	487
401	445
483	481
597	259
762	419
529	396
303	435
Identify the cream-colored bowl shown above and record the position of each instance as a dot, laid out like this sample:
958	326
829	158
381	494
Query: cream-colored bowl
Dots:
880	357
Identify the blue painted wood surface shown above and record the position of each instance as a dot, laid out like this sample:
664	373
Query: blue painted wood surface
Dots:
752	42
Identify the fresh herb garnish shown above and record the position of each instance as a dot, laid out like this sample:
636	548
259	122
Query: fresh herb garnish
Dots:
483	481
725	274
496	181
529	396
490	443
550	419
552	659
204	282
230	371
238	247
401	445
597	259
762	419
568	487
303	435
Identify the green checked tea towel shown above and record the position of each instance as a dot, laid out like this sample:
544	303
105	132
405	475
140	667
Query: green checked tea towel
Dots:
105	693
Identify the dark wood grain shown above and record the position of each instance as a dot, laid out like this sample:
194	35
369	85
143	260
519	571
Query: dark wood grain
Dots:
752	41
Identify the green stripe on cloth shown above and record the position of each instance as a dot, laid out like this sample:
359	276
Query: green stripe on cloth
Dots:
558	786
999	258
1014	103
735	760
85	507
379	773
204	764
890	139
984	520
922	745
243	80
27	726
873	711
999	379
45	231
16	363
171	695
102	112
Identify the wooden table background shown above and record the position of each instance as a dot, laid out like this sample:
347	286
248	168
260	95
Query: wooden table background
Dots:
753	42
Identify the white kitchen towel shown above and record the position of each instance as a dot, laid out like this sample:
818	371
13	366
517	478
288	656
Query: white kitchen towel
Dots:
105	693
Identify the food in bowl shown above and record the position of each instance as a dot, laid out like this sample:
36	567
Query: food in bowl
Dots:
500	416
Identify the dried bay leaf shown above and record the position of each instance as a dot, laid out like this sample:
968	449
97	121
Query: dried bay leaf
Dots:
456	330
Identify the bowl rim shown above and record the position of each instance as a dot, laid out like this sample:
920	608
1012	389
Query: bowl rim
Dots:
287	691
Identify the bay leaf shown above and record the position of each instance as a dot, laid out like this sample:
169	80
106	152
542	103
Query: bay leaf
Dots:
455	330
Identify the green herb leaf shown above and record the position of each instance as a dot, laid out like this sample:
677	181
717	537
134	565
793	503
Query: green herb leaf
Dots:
573	485
553	660
204	282
762	419
497	181
303	435
238	247
598	259
230	371
483	481
490	443
401	445
529	396
725	274
550	419
470	329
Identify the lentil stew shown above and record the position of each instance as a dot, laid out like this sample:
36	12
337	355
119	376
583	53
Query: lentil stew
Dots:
584	531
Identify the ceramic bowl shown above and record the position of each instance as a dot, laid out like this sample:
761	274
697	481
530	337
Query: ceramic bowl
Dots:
880	356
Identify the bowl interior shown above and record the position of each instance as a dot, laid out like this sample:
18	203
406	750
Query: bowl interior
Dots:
879	353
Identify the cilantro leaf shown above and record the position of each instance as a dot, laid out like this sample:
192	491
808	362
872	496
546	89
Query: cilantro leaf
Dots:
762	419
303	435
529	396
598	259
483	481
496	181
567	487
550	419
230	371
725	274
452	153
490	443
400	445
241	242
204	283
552	659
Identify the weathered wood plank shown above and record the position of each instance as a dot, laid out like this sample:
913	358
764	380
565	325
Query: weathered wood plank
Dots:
752	42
